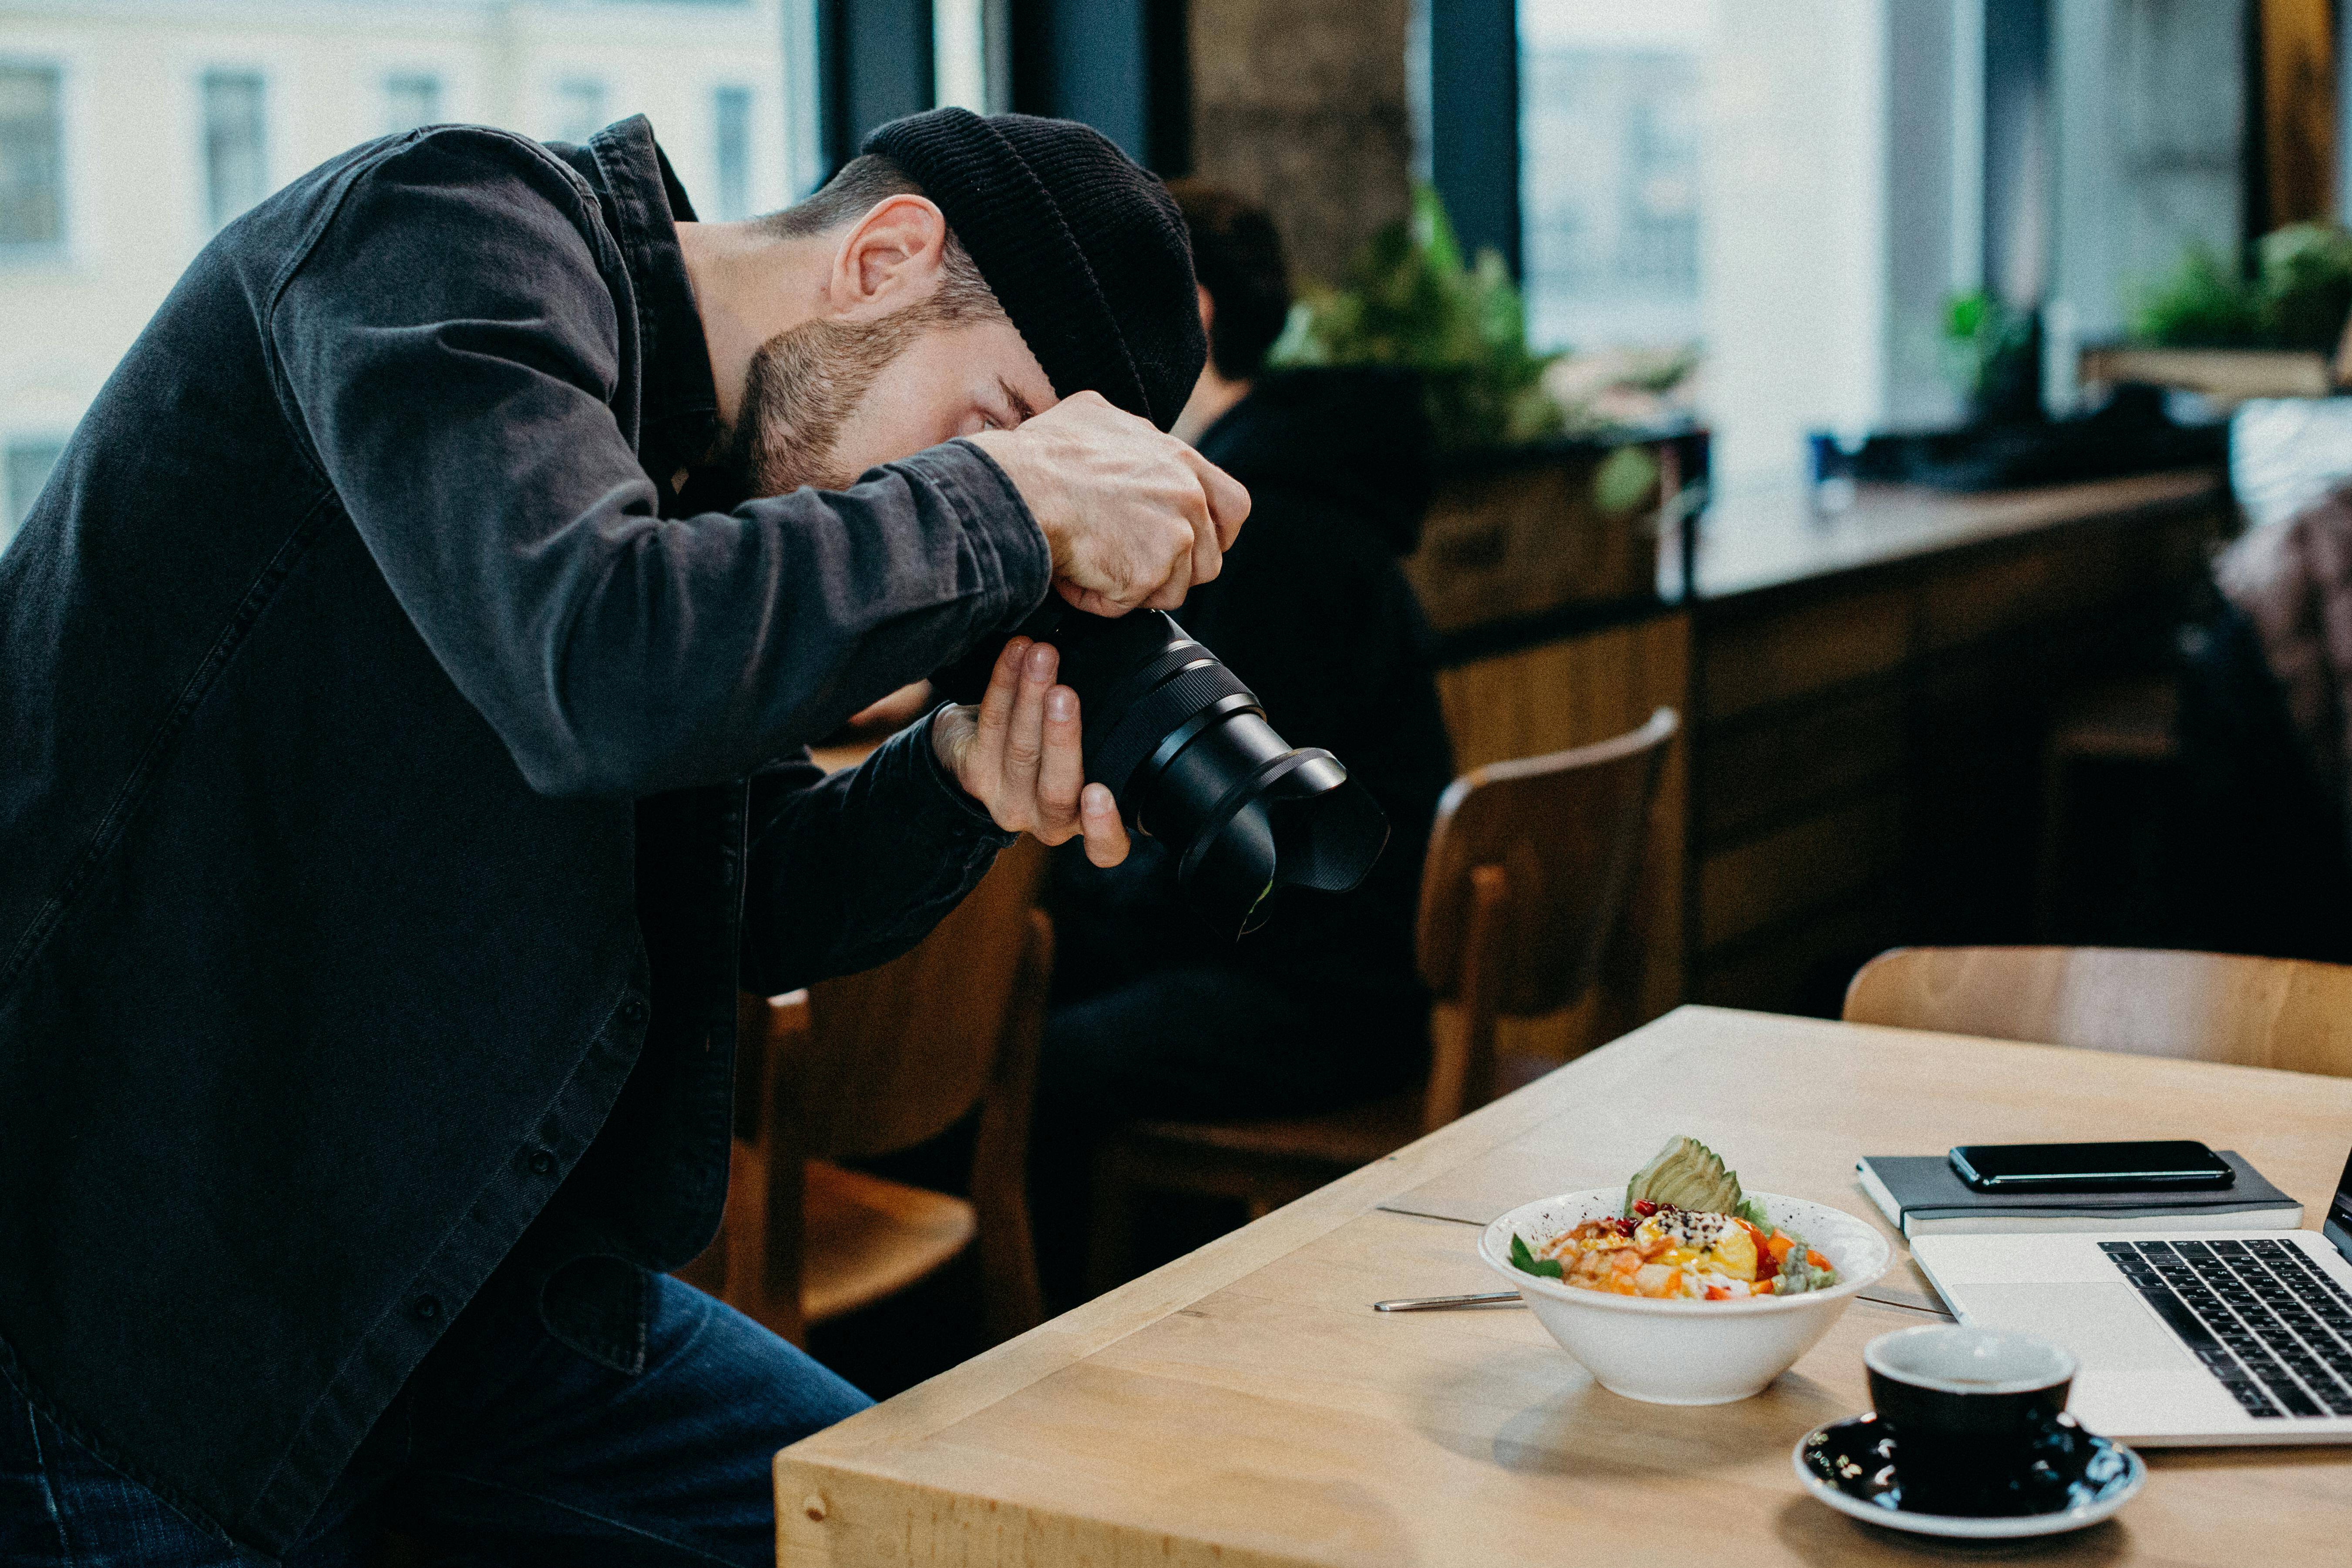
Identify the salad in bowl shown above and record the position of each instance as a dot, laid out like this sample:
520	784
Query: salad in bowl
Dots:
1682	1288
1686	1233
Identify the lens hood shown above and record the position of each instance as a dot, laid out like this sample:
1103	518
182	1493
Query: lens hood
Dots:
1185	748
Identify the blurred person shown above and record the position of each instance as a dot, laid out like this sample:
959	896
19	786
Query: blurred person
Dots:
2258	857
1155	1015
404	678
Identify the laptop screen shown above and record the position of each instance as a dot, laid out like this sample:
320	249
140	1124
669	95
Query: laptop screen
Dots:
2338	1228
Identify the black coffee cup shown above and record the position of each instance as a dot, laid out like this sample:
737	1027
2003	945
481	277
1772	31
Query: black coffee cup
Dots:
1975	1413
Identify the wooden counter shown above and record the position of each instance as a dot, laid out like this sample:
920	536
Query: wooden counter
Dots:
1867	696
1757	542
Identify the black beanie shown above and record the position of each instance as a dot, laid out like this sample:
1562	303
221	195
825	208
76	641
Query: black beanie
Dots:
1081	245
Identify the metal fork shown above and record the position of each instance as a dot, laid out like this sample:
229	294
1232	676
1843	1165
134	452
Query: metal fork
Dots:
1450	1303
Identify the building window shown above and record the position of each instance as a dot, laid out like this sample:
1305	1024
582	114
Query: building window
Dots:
411	98
32	159
971	43
579	109
730	115
1609	124
236	153
29	466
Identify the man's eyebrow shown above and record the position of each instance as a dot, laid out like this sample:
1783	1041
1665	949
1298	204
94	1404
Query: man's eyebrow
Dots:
1020	403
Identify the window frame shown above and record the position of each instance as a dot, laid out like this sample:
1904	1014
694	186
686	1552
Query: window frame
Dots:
205	73
715	94
392	78
16	254
566	81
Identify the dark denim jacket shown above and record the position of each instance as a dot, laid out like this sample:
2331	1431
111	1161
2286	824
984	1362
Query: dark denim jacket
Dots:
399	777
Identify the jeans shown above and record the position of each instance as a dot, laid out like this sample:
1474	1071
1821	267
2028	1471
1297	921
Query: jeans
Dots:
505	1446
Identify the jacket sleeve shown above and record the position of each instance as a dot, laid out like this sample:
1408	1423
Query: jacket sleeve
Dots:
849	870
450	344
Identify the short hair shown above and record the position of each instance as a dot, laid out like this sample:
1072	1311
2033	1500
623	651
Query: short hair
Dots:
1237	257
862	183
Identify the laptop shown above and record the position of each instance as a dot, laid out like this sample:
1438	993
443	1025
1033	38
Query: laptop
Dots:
2184	1338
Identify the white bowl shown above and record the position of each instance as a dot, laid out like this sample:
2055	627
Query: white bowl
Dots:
1680	1351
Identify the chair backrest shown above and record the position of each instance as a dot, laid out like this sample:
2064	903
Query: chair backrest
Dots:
898	1055
1565	831
2209	1006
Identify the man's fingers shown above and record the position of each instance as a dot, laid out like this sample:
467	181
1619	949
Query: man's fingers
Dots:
1170	594
987	751
1208	554
1025	732
1062	771
1208	550
1229	499
951	736
1099	819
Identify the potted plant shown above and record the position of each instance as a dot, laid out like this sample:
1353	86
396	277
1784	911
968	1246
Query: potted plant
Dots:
1552	470
2280	334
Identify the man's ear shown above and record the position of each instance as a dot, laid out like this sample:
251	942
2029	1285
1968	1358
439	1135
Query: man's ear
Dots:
890	258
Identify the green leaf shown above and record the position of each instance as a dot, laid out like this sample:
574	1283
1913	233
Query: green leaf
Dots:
1626	479
1408	299
1527	1262
2203	304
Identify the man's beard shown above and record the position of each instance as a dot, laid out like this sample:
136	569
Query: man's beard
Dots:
800	389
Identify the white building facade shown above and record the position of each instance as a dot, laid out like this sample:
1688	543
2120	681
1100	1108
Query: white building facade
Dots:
132	130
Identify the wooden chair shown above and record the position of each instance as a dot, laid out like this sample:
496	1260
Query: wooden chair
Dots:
1529	868
2209	1006
872	1064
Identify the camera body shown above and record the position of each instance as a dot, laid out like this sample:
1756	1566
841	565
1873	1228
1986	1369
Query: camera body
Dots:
1184	747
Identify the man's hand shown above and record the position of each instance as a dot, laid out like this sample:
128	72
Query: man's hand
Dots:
1017	753
1133	517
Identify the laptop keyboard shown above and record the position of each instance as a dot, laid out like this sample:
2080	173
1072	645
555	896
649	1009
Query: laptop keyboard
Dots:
2276	1330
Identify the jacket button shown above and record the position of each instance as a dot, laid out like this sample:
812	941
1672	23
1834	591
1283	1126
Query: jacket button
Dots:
427	1309
543	1163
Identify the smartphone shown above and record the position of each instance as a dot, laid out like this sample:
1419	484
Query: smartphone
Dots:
2180	1163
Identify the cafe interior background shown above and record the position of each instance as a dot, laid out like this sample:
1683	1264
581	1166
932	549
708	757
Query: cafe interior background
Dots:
1873	383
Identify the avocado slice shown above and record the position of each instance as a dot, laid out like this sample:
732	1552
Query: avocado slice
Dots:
1687	1175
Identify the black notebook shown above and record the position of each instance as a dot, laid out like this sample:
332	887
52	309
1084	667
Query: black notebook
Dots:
1924	1197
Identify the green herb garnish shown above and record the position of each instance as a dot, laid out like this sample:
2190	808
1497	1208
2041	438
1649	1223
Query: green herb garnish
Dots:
1527	1262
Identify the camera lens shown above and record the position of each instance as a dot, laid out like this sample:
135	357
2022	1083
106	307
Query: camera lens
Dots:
1186	749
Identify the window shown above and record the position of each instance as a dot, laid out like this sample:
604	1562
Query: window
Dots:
29	466
32	160
731	114
971	44
411	98
579	109
236	165
1609	173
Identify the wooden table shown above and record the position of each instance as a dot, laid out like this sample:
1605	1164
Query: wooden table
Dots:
1244	1405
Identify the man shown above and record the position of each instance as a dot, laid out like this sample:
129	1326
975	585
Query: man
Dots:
1155	1015
404	684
